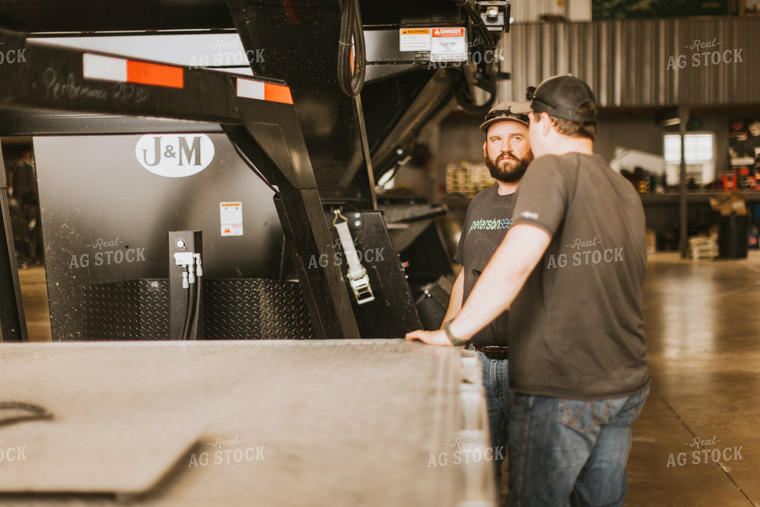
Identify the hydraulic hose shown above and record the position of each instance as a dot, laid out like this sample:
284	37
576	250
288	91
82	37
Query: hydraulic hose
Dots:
188	312
477	22
351	67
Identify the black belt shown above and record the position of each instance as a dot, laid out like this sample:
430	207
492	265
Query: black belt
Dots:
493	351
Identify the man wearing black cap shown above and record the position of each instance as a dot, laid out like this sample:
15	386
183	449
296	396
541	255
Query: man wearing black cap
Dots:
572	268
489	216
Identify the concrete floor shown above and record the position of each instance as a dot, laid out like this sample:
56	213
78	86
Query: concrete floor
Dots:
696	442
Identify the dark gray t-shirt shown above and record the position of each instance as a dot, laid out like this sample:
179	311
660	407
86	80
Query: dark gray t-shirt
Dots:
487	221
576	327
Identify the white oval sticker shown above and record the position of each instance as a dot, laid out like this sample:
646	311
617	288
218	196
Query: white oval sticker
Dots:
174	155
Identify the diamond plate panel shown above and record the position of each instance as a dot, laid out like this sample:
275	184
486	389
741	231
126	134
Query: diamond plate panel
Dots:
154	309
255	308
108	311
131	310
251	308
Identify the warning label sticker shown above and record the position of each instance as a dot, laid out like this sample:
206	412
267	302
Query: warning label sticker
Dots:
231	218
448	32
414	39
448	45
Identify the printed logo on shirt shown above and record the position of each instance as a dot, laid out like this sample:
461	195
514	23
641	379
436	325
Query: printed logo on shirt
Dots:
586	253
529	214
490	225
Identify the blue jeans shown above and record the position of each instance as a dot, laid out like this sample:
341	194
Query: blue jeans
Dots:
570	452
499	401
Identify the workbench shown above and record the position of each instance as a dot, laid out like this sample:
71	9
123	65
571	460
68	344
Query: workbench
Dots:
255	423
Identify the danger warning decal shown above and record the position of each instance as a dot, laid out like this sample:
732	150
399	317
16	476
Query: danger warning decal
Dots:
445	44
448	45
448	32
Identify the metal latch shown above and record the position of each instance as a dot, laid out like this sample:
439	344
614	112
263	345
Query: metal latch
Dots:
357	274
362	289
495	14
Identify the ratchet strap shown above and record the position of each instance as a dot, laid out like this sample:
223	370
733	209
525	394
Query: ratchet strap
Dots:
357	274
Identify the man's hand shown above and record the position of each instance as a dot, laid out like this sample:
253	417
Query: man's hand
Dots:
430	337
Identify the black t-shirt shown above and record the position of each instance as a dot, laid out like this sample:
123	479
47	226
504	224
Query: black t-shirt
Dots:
576	327
487	222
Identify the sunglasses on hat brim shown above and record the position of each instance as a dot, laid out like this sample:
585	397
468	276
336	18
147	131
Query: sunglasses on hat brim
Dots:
506	114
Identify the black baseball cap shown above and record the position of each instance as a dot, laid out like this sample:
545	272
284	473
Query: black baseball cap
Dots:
503	111
559	96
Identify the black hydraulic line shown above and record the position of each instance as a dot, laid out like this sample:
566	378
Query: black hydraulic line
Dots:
191	315
188	312
351	81
466	99
477	22
196	312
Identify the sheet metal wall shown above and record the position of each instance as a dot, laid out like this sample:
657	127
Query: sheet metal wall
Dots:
524	11
626	62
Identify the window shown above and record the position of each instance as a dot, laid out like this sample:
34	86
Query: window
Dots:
700	148
700	157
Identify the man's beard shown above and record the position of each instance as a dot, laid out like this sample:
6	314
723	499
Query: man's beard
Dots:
508	175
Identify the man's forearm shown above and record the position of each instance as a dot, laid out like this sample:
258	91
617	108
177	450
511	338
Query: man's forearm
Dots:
455	301
502	279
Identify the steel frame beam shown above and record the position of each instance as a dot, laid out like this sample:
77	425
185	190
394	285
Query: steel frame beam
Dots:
12	321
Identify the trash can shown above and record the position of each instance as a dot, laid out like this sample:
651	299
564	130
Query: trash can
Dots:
732	238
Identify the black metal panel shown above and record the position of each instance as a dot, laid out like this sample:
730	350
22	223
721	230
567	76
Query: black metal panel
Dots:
303	223
393	313
418	12
106	218
117	15
301	42
26	122
112	15
12	322
427	256
240	309
434	301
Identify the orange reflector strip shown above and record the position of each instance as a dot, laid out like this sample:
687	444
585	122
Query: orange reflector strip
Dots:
277	93
155	74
